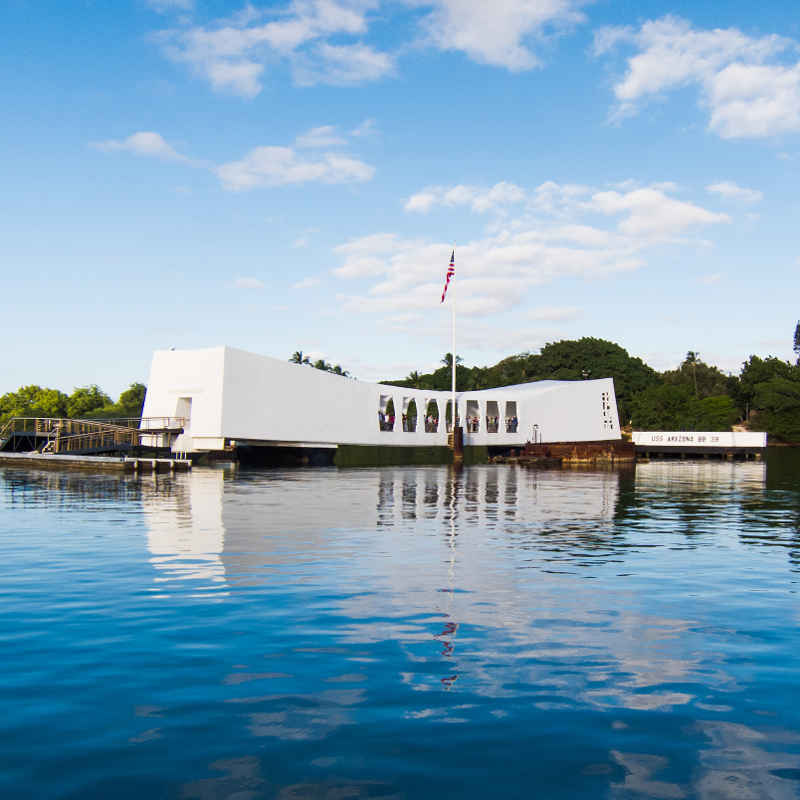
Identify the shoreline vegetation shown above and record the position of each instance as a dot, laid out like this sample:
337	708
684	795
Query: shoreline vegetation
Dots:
764	396
86	402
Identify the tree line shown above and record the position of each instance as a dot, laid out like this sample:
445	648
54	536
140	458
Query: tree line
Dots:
764	396
298	357
86	402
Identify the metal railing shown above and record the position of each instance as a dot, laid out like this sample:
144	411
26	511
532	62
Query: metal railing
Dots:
155	424
83	435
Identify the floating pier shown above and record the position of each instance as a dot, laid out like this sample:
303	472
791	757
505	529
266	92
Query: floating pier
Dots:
136	466
702	444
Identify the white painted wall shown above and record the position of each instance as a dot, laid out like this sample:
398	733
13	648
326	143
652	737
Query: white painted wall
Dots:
195	374
243	396
700	438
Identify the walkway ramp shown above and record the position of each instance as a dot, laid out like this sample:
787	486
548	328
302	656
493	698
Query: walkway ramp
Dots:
82	436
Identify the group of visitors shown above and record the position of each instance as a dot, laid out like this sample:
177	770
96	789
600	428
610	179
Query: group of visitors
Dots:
492	424
385	422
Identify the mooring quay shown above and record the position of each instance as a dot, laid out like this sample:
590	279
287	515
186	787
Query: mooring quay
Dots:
95	463
680	444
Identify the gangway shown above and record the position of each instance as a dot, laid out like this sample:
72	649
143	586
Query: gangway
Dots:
83	436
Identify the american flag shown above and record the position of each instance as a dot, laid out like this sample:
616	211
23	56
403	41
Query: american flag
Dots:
451	271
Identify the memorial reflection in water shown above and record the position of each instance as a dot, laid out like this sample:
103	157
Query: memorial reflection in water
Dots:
493	549
340	632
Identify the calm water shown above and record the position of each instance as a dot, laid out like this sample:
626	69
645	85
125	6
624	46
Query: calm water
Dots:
403	633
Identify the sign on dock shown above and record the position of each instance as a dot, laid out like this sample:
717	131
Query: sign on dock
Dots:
700	442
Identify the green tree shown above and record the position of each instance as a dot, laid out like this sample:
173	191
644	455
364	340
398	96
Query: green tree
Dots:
414	380
663	407
86	400
298	357
754	372
715	413
796	346
691	361
705	380
778	403
131	401
593	358
33	401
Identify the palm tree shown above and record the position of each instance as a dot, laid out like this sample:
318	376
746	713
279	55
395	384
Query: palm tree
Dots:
692	358
414	378
299	358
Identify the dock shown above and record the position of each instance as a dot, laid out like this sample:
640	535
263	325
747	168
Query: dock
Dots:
87	463
549	454
700	444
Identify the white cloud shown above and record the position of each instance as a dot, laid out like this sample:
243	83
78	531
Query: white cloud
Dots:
280	166
731	191
143	143
754	101
242	77
323	136
262	166
710	280
551	234
306	283
498	33
232	54
342	65
557	198
649	211
652	214
422	201
367	128
248	283
311	36
492	274
746	92
481	200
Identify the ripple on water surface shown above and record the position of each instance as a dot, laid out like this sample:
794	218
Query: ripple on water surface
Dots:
402	632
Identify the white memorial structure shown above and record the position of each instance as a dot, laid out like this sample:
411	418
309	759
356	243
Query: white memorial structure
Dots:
231	398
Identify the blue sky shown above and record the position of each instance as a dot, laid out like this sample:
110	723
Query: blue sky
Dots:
184	173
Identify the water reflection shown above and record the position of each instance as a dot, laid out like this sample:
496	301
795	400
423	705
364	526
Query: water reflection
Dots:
741	761
205	526
711	475
338	633
185	532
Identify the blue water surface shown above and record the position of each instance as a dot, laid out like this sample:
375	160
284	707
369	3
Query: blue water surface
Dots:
402	633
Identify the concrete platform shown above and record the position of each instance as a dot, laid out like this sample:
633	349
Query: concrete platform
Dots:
95	463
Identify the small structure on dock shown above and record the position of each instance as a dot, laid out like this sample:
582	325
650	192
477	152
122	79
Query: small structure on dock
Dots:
611	451
680	444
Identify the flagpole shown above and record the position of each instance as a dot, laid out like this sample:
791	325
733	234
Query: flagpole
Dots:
453	351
